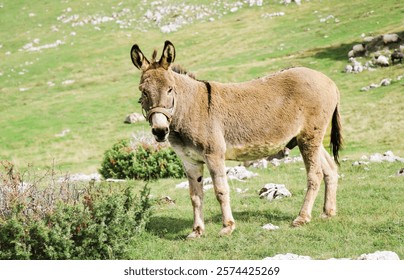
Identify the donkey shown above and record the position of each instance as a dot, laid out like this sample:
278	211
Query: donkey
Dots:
209	122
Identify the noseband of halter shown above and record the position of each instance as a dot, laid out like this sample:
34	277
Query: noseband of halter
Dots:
166	112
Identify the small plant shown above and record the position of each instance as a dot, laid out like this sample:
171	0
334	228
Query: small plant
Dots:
141	161
63	221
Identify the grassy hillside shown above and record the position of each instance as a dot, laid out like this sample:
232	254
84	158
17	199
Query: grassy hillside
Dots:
65	67
37	101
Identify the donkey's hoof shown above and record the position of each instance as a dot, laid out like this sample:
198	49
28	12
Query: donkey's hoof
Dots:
195	234
226	231
299	221
328	214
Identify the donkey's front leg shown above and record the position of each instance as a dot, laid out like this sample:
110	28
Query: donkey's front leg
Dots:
194	173
217	170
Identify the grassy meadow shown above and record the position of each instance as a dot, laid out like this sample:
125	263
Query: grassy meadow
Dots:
77	77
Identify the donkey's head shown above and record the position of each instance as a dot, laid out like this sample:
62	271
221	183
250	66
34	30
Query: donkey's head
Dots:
157	86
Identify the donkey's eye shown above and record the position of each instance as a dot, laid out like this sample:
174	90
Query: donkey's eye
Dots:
170	90
144	94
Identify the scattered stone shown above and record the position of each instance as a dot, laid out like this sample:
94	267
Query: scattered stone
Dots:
167	200
327	18
400	172
63	133
134	118
387	156
380	49
239	173
359	49
287	2
382	61
385	82
287	256
32	47
271	15
356	66
270	227
391	38
238	190
80	178
115	180
68	82
207	184
396	55
357	163
380	255
261	164
348	69
286	160
182	185
274	191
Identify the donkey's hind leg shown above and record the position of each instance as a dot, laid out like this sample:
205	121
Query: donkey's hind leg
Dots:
331	180
311	156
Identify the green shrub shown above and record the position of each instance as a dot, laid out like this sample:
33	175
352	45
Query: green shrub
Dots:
142	161
101	227
95	222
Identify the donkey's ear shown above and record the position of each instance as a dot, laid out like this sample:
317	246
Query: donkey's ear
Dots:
138	59
168	55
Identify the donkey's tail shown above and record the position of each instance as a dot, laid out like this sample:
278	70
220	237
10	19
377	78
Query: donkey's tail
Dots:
336	136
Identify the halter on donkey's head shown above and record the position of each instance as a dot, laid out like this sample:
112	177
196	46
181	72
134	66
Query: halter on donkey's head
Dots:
141	62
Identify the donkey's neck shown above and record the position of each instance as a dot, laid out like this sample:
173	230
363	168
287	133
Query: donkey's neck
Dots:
193	98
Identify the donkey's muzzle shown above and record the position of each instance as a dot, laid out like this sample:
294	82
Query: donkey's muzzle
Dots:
160	133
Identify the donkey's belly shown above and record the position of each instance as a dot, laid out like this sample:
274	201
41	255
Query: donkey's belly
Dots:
253	151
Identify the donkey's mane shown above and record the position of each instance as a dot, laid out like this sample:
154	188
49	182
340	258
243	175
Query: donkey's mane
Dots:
181	70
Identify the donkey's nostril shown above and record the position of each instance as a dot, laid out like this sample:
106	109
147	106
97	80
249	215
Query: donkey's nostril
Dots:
160	132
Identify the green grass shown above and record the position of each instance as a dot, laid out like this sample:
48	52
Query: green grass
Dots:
366	221
238	46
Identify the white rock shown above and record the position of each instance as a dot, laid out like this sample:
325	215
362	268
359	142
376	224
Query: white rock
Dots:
288	256
262	163
274	191
68	82
390	38
115	180
382	60
182	185
348	69
380	255
80	178
357	163
270	227
239	173
385	82
387	156
207	184
63	133
207	187
134	117
238	190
